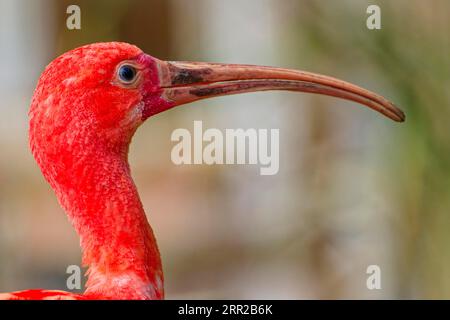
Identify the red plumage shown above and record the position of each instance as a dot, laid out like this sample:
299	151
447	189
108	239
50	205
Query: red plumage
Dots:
81	124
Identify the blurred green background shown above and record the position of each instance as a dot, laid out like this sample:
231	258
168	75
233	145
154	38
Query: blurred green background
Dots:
354	189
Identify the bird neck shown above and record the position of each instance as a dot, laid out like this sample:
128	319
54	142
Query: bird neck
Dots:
118	243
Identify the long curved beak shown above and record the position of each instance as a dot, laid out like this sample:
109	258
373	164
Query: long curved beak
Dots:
184	82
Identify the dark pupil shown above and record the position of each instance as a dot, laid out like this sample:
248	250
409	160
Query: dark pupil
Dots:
127	73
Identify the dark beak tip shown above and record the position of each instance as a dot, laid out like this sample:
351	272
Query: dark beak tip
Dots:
401	115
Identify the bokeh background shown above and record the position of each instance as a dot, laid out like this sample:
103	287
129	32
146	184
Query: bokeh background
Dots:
354	188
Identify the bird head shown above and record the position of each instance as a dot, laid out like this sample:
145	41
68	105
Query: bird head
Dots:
104	91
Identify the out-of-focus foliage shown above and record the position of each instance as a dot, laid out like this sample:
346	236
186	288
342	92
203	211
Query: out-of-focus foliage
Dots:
411	56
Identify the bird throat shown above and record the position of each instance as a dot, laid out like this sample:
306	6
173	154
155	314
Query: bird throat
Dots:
97	191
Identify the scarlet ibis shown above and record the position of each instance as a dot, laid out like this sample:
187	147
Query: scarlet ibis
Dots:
87	105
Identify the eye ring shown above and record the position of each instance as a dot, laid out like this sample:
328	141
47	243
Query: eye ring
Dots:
127	74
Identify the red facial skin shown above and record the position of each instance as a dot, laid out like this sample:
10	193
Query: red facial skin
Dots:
81	123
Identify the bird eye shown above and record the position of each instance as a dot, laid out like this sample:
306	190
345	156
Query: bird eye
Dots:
127	73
